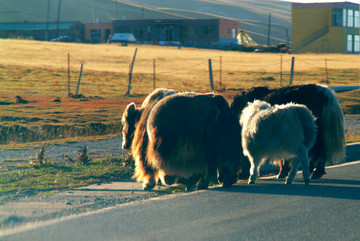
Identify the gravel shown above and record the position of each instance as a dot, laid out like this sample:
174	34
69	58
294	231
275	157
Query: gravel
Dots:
58	152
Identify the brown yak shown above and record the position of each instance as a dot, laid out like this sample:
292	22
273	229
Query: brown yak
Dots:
190	137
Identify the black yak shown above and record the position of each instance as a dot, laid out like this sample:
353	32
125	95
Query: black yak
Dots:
330	142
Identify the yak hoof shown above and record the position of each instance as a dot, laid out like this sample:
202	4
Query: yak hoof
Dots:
169	180
288	182
319	172
148	186
203	183
281	175
307	181
251	182
226	185
229	181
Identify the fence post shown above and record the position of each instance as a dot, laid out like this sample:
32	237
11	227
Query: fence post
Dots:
69	74
281	61
211	76
154	76
78	85
220	71
130	72
292	71
326	71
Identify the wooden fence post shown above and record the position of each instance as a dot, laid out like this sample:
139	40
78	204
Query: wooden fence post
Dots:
211	76
154	74
281	61
292	71
220	71
78	85
69	74
130	72
326	71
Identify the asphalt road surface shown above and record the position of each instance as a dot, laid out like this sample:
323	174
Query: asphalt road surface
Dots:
327	209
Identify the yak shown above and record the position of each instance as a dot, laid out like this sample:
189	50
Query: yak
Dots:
191	137
321	100
134	128
276	132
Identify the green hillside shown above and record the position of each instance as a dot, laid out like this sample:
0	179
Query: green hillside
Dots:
252	14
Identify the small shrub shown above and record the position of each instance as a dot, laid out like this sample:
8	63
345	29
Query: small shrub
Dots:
268	78
83	157
40	160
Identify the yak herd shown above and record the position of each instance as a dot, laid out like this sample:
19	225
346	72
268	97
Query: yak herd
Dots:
194	138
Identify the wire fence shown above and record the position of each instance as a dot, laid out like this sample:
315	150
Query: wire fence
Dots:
233	74
194	74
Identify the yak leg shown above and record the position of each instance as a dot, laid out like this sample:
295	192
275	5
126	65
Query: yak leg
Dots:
149	181
304	159
206	177
203	182
226	175
293	171
285	166
320	169
188	182
254	172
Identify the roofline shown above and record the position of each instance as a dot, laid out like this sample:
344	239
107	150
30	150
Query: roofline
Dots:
324	4
173	20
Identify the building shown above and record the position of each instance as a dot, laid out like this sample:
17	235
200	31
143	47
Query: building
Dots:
74	31
203	33
98	32
326	27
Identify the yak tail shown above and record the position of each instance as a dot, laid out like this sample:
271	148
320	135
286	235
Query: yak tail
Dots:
333	124
307	121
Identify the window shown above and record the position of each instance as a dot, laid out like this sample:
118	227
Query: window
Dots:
95	34
207	32
356	19
350	43
234	33
350	22
357	43
337	17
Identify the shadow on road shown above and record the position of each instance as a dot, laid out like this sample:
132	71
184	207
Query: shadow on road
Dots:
325	188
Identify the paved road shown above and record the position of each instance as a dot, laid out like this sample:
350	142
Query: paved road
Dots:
327	209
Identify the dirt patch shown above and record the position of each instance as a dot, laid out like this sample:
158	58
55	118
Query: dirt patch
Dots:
76	201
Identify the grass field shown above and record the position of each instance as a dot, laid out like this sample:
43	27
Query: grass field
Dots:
38	72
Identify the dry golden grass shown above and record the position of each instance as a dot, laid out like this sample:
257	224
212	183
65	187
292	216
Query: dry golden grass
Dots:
37	71
182	69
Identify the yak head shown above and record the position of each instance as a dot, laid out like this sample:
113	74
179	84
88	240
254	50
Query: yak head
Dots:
129	119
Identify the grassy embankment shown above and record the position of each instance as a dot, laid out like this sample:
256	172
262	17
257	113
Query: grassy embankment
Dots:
37	71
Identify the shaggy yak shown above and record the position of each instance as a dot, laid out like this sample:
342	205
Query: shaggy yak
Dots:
272	133
134	127
190	137
330	141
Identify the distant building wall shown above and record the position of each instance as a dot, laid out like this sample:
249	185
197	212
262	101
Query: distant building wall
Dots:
98	32
192	33
43	30
325	27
